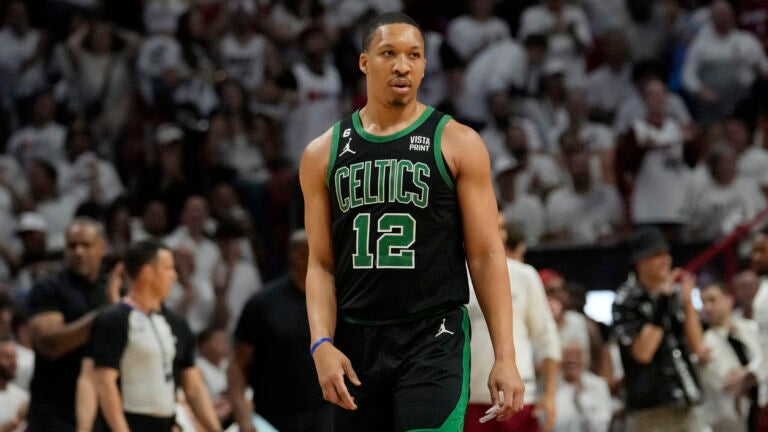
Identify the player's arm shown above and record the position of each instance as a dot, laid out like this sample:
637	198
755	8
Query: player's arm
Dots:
468	159
198	398
331	363
109	398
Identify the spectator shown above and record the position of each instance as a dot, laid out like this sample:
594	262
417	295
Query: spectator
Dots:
86	176
759	257
192	295
745	286
751	160
549	108
583	399
244	52
315	87
610	84
191	234
213	361
722	64
56	208
735	366
650	168
152	223
469	34
167	179
535	333
13	400
633	107
518	206
148	370
568	35
659	332
537	173
42	138
572	326
21	52
277	317
117	224
235	278
597	139
584	211
63	308
723	200
35	261
500	67
100	81
494	134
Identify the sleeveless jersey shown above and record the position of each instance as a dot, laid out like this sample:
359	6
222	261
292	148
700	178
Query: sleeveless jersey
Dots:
395	222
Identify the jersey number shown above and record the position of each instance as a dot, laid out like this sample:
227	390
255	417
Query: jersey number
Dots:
398	233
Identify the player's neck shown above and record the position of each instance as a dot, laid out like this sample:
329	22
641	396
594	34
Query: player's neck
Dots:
384	119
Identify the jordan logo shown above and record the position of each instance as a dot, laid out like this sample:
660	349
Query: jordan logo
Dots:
442	329
347	149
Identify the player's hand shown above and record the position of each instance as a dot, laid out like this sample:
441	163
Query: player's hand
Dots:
546	407
332	365
506	388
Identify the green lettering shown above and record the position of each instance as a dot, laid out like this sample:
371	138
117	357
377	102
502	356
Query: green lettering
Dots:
354	185
422	198
343	201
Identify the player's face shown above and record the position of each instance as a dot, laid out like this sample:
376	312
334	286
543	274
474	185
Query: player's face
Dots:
394	64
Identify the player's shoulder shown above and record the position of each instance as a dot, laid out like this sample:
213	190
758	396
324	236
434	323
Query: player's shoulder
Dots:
462	145
314	160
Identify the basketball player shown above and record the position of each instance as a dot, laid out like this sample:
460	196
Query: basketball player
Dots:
398	196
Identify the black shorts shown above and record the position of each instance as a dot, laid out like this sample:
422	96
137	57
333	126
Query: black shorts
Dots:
415	376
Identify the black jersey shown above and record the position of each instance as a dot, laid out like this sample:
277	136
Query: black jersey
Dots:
396	225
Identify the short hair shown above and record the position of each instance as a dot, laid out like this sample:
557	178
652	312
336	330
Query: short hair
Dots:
386	19
515	236
718	285
228	230
87	220
141	254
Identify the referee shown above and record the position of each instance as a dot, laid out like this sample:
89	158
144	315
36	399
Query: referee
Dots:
141	351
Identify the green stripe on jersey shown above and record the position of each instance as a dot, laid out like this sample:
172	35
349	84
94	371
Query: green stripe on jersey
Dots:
385	138
334	150
439	152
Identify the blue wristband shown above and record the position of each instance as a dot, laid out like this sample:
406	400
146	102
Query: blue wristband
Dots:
317	344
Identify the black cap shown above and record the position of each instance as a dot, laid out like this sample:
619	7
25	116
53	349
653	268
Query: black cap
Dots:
646	242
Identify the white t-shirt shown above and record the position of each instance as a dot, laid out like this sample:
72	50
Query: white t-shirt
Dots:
714	210
199	315
58	213
539	19
586	410
215	376
584	217
14	50
206	252
528	212
317	109
722	62
468	35
661	182
633	108
25	366
534	328
45	142
760	313
75	178
11	400
753	164
244	62
245	281
502	65
607	88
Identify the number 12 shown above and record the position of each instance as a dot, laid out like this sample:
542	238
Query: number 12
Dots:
392	248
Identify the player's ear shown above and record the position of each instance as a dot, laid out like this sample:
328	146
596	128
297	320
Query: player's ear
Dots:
363	62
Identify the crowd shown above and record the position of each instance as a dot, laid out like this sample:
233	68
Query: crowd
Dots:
183	121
